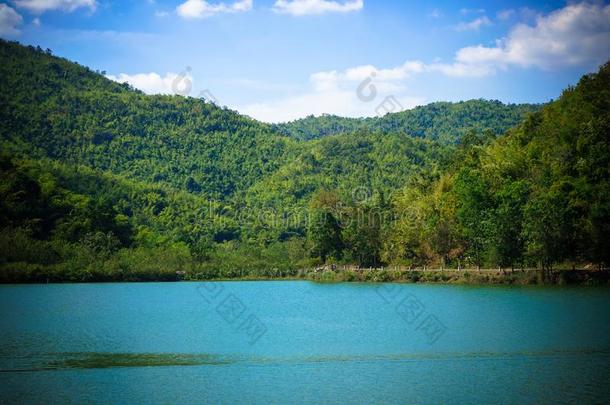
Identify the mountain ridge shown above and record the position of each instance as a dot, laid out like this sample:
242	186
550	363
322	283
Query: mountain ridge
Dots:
434	121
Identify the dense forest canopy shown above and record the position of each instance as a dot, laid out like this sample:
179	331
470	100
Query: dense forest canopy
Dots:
442	121
102	182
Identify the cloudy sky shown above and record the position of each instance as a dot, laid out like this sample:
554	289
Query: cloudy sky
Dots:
278	60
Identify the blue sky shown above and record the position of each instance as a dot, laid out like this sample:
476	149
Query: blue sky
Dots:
282	59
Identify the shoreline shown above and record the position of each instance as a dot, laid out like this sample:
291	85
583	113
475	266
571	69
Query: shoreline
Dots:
403	276
474	277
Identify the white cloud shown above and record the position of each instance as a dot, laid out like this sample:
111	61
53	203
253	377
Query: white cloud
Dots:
473	25
36	22
355	92
459	69
10	20
153	83
576	35
40	6
307	7
192	9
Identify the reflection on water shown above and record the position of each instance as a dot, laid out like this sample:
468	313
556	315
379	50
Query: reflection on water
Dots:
59	361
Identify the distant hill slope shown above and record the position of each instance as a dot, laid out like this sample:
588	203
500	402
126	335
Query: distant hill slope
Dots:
58	109
441	121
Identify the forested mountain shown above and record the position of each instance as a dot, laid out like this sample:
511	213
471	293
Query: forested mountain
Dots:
102	182
67	112
539	195
442	121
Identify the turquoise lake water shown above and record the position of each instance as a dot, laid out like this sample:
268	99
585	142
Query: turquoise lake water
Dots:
300	342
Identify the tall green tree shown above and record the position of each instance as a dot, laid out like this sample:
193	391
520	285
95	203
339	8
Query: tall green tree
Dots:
324	228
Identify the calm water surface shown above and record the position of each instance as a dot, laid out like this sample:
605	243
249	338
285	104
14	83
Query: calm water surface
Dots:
299	342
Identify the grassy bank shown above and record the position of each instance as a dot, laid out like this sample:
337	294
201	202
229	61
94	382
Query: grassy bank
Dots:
27	273
508	277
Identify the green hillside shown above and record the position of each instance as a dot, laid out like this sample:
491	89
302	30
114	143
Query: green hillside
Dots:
442	121
102	182
538	196
72	114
